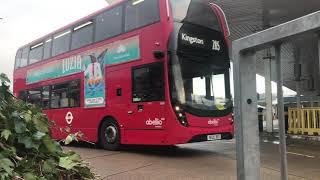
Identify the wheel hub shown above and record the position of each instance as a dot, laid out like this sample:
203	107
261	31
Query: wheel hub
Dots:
110	134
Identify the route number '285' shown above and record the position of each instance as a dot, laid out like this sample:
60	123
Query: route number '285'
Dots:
215	45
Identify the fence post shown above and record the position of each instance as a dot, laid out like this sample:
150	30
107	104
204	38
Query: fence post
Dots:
308	119
290	120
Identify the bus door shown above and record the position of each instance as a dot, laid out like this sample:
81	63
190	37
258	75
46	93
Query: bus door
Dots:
147	110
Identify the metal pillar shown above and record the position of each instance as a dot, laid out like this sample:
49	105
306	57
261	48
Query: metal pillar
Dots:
248	152
318	90
247	134
268	91
282	146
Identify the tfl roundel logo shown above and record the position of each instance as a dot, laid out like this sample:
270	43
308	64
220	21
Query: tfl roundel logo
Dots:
69	117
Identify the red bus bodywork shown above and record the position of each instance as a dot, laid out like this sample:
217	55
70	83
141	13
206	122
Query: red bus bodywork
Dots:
132	123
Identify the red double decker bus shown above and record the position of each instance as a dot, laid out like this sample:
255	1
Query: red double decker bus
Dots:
152	72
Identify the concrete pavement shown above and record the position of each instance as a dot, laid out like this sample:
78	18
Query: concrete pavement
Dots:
199	161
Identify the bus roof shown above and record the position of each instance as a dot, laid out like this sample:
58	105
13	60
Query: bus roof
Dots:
90	16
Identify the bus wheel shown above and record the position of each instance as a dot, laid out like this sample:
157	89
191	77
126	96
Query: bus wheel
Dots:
110	135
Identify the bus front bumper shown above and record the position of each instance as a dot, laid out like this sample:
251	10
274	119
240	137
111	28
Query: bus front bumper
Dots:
200	134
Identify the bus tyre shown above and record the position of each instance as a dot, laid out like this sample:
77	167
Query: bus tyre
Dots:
110	135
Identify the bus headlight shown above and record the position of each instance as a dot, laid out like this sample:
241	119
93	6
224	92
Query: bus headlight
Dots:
181	116
232	118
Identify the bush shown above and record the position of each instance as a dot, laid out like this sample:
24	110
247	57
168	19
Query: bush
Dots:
26	148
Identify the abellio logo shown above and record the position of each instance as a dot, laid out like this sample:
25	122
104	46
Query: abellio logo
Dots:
155	122
191	39
213	122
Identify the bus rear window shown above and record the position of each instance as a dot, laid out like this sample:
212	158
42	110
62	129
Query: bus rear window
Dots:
18	58
140	13
196	12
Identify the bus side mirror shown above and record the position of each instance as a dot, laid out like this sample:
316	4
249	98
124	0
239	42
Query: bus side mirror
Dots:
158	54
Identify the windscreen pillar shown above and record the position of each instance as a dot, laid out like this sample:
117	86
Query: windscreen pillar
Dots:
246	116
268	91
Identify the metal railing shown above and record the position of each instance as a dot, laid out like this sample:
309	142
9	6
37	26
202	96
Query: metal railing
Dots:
304	121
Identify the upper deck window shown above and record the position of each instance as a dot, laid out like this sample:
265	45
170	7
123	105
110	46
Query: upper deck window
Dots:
125	17
82	35
140	13
179	9
61	43
196	12
109	24
24	57
47	49
36	53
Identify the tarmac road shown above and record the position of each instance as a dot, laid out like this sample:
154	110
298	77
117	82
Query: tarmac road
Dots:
199	161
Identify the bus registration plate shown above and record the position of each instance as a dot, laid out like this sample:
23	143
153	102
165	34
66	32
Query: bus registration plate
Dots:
214	137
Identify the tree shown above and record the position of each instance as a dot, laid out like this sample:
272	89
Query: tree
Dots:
26	148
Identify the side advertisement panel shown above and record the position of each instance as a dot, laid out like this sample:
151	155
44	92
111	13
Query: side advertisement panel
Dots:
92	64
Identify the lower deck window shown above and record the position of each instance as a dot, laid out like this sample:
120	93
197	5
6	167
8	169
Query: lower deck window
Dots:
34	97
59	97
65	95
45	98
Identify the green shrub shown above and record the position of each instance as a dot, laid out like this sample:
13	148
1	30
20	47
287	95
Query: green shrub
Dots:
26	148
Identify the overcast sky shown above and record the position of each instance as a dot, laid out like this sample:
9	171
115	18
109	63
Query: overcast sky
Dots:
26	20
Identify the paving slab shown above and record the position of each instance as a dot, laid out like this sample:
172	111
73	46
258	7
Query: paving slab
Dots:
198	161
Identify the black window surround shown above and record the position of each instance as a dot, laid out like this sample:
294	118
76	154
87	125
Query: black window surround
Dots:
50	48
45	95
